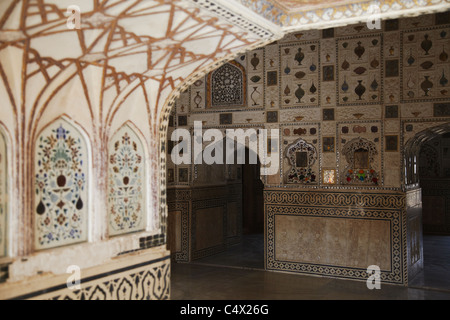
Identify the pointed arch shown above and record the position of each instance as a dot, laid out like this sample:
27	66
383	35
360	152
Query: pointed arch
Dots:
127	176
61	182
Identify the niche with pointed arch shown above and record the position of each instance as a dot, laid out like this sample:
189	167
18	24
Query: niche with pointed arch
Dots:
126	182
61	173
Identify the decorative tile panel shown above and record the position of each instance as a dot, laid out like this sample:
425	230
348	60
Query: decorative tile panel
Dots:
126	181
255	75
359	61
425	60
61	186
300	74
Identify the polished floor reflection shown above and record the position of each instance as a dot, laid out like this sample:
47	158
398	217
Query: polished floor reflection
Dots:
436	257
249	254
238	274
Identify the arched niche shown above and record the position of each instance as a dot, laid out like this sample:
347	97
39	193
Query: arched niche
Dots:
61	185
127	176
301	156
361	168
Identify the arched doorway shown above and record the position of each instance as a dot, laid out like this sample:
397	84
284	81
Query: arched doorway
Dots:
217	218
427	170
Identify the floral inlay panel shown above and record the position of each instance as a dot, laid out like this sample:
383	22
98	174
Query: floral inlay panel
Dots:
360	156
126	193
3	196
228	84
61	186
301	156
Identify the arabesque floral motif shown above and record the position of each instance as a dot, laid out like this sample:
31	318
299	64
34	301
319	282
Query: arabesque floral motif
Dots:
126	183
60	186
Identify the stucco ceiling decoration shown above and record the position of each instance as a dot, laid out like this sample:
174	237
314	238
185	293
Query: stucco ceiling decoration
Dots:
126	52
133	41
295	15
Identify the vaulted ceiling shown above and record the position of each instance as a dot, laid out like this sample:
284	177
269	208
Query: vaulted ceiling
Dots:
308	14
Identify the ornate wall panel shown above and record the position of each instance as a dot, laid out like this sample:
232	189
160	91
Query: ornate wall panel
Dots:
360	155
302	156
61	182
300	74
226	87
3	196
382	213
425	64
359	61
127	183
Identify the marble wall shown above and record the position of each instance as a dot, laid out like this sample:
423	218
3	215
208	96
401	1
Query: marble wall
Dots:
345	102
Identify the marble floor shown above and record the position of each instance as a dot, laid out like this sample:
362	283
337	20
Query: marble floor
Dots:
436	271
238	274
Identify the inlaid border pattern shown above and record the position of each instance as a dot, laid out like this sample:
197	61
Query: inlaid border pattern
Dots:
183	206
144	281
389	207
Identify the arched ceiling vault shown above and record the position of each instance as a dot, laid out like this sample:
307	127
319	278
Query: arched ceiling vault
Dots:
414	144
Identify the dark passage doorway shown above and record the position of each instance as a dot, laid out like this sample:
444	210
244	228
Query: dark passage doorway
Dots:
249	252
252	198
433	163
